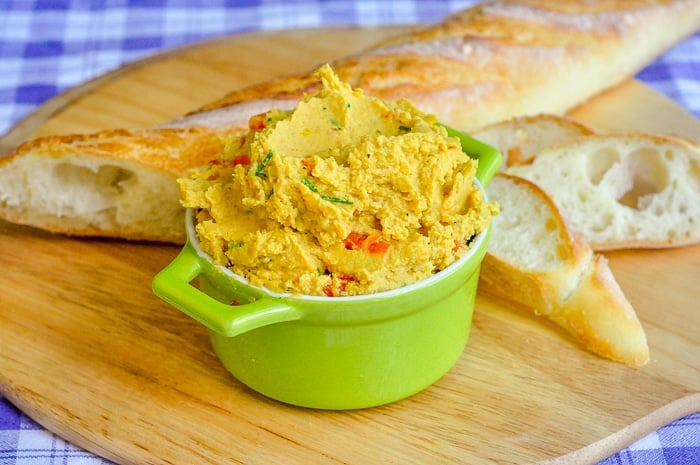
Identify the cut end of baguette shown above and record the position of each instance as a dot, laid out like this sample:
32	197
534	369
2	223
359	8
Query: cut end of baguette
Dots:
112	183
89	196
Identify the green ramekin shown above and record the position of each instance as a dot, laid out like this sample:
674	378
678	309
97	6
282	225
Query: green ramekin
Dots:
333	352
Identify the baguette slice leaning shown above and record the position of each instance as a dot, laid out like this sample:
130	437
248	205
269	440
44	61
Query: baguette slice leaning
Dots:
624	190
521	138
493	61
114	183
535	260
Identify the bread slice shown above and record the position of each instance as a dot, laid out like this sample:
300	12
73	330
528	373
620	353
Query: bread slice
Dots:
535	260
521	138
624	190
114	183
491	62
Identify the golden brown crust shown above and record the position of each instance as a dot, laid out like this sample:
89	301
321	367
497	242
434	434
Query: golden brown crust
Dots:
69	227
500	59
173	150
600	316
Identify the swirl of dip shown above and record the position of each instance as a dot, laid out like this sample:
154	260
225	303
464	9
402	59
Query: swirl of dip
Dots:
344	195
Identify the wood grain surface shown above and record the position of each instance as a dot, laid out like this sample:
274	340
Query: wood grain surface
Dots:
90	353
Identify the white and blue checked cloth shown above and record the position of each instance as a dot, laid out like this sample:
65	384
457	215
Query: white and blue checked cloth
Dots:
48	46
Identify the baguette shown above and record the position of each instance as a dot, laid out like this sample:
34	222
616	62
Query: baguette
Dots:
619	191
535	260
115	183
521	138
491	62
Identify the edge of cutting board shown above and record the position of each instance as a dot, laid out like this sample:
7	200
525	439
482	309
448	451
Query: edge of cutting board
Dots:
637	430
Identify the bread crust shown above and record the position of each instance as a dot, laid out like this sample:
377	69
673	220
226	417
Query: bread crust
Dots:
599	315
494	61
173	150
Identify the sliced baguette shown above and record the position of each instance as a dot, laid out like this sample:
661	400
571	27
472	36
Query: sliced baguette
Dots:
624	190
113	183
535	260
521	138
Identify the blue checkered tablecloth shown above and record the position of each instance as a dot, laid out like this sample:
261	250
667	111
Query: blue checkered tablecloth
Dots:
48	46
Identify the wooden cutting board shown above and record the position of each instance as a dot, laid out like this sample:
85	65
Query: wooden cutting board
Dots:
90	353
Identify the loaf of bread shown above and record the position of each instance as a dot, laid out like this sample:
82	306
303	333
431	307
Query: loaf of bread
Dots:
491	62
538	262
623	190
116	183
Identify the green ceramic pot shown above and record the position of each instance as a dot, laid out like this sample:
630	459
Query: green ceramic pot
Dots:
333	352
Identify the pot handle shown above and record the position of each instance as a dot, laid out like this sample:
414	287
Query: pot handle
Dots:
173	284
489	158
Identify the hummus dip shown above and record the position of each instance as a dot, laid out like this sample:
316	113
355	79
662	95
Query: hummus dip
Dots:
344	195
